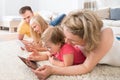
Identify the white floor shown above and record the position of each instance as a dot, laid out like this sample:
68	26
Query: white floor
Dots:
5	35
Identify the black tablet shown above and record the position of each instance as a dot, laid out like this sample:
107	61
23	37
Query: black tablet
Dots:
29	63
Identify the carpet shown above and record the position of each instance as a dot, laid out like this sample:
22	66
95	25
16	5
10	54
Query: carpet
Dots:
101	72
12	68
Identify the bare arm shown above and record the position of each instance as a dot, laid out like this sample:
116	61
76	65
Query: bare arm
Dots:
39	47
30	46
92	59
67	60
38	56
20	36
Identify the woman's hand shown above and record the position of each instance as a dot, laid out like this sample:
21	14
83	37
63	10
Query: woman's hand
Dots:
43	72
29	47
35	56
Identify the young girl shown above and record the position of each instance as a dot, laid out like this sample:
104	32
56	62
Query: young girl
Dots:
37	27
61	53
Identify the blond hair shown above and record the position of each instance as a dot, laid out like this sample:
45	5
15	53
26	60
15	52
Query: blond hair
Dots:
85	24
37	19
54	35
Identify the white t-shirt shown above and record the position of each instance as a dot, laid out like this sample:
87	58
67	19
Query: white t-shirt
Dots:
113	55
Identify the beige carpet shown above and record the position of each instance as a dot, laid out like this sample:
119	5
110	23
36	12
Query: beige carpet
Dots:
101	72
12	68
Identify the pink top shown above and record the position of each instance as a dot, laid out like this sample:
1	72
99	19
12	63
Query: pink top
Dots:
69	49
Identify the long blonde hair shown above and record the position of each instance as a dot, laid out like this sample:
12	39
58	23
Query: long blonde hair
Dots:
37	19
85	24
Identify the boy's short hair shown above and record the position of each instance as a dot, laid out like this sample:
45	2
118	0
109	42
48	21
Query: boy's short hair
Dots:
24	9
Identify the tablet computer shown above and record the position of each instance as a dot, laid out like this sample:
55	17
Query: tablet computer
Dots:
29	63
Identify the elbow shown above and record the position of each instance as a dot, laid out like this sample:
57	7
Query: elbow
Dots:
67	64
87	69
20	38
64	65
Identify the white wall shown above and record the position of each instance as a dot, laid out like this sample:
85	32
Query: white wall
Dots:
1	7
80	4
108	3
11	7
58	5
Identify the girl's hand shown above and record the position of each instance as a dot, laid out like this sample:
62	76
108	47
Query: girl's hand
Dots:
43	72
51	59
34	56
49	54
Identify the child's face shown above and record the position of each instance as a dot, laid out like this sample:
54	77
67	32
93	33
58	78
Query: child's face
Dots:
52	48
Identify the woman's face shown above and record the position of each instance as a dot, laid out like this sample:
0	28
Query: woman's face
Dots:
36	27
73	39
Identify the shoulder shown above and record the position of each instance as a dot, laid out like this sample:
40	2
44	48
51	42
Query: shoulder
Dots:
106	29
105	44
23	27
22	23
106	41
67	48
36	13
107	34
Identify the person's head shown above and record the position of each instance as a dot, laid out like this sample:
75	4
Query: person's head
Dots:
26	13
83	28
38	26
53	39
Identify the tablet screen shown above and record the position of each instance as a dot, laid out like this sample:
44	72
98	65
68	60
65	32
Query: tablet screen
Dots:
31	64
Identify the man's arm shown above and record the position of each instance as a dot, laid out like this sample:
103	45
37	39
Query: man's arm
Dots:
20	36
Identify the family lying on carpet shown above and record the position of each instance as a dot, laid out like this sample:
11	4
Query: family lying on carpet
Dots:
75	46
